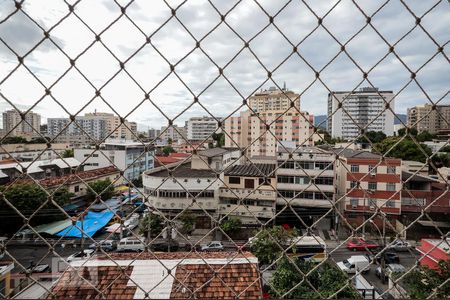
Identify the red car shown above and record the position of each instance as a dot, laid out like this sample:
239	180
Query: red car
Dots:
361	245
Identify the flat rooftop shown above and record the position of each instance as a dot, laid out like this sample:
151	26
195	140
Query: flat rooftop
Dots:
183	170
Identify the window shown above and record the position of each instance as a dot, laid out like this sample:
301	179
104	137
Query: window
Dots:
373	169
77	188
249	183
391	169
390	203
353	184
234	180
372	202
354	202
355	169
390	187
372	186
264	181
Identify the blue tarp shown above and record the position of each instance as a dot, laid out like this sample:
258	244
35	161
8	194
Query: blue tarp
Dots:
93	222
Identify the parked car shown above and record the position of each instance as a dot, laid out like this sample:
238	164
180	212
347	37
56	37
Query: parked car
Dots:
106	245
84	254
164	246
400	245
390	268
361	245
355	263
129	244
389	257
213	246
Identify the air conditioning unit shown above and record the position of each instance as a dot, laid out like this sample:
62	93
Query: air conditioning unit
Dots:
372	207
354	206
372	174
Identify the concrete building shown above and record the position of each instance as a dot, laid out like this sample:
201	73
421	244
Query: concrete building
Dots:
154	133
132	158
425	118
366	182
29	152
274	99
306	181
274	121
97	126
201	128
365	109
190	183
13	125
249	193
174	133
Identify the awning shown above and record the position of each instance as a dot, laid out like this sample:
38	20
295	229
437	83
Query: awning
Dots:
54	227
92	223
434	223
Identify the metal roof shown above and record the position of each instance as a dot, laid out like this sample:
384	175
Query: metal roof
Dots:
252	170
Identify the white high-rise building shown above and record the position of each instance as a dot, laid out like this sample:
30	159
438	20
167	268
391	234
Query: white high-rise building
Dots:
12	118
366	108
201	128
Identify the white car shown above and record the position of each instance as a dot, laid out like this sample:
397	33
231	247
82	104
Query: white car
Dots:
130	244
356	263
400	245
213	246
85	254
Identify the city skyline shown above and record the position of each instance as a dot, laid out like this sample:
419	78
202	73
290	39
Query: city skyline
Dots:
172	97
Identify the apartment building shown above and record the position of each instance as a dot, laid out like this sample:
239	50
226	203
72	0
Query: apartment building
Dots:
201	128
154	133
429	118
190	183
97	126
306	181
349	111
249	193
13	125
274	99
132	158
29	152
274	122
366	182
173	133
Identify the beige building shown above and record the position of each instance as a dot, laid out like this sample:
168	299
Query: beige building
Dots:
14	126
173	133
424	118
127	130
273	99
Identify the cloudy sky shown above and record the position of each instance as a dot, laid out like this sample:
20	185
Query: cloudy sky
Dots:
97	67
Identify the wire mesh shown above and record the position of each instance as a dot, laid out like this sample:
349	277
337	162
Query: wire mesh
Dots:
243	185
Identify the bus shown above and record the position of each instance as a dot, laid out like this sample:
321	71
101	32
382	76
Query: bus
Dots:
309	248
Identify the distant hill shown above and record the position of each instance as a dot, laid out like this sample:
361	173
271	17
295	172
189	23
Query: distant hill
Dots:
323	118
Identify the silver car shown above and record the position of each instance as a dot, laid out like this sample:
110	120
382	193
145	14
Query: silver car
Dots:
213	246
400	246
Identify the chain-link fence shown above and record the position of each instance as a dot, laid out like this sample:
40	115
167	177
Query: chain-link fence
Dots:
181	158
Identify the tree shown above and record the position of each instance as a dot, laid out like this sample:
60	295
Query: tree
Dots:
188	220
104	188
151	225
402	131
231	225
266	244
321	283
219	138
406	149
423	281
68	153
137	182
372	137
167	150
425	136
38	140
14	140
445	149
27	198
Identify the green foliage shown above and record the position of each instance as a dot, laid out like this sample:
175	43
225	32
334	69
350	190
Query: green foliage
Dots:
104	188
266	244
219	138
422	281
372	137
137	182
231	225
322	283
167	150
14	140
441	160
425	136
327	139
445	149
68	153
39	140
406	149
188	220
151	225
402	132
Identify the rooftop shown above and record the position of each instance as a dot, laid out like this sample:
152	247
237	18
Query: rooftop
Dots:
252	170
36	166
416	177
224	275
182	170
350	153
213	152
